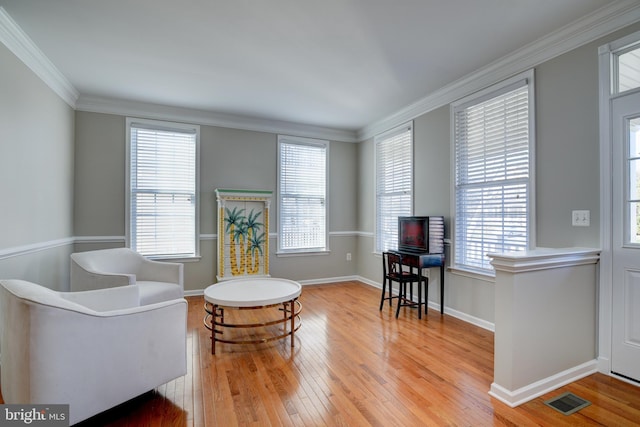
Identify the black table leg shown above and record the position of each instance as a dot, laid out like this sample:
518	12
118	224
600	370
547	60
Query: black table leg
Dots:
442	289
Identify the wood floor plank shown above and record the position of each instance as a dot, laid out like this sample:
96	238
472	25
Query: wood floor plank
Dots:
354	365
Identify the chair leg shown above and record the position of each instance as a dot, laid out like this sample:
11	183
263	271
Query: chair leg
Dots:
384	288
402	293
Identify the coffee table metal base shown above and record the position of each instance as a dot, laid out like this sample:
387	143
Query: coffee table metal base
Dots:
214	321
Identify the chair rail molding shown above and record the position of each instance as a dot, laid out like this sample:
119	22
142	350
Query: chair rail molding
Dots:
34	247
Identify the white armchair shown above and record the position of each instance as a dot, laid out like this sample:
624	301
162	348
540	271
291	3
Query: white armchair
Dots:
92	350
107	268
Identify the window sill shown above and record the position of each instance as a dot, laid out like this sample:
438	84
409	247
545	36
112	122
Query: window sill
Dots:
302	253
177	259
473	274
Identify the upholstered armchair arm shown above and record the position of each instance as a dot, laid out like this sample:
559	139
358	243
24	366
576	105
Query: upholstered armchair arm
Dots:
160	271
83	279
99	359
106	299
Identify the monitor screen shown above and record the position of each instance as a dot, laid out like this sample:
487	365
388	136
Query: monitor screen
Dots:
413	234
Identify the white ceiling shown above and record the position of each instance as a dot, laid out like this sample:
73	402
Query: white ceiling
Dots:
341	64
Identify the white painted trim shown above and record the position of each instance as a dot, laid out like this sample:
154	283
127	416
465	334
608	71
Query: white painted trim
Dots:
543	386
99	239
543	259
41	246
481	323
35	247
97	104
606	20
489	278
610	18
19	43
327	280
343	234
605	285
369	282
195	293
604	363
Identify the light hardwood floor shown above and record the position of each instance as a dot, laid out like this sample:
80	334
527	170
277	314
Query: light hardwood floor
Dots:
353	365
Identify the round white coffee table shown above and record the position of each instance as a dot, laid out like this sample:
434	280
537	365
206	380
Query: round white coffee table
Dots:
251	294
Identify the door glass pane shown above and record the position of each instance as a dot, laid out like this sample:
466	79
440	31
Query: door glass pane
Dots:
634	180
634	138
634	215
629	70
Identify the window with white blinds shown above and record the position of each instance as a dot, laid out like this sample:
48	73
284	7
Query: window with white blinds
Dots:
163	188
493	149
302	194
394	183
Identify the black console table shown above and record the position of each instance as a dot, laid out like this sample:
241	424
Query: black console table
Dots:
425	260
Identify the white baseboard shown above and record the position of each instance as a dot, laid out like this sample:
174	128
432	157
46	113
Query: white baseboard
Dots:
326	280
543	386
368	282
604	365
451	312
481	323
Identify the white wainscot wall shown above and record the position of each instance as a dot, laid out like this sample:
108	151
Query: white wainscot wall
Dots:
545	321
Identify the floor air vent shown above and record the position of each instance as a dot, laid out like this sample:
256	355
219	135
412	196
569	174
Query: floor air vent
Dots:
567	403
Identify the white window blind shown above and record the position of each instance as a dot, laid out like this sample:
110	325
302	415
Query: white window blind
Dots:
394	183
163	189
492	146
302	194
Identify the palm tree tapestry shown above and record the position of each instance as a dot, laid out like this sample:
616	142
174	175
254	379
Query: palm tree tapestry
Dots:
243	233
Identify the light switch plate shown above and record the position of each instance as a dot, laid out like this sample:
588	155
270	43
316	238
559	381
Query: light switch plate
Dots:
581	218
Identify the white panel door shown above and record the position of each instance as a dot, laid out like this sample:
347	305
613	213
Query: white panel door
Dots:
625	122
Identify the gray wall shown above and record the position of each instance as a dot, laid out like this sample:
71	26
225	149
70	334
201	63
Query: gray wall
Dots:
567	173
41	171
567	148
36	177
229	158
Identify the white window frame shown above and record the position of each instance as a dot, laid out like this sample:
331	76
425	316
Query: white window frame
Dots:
170	126
392	221
295	140
621	47
527	79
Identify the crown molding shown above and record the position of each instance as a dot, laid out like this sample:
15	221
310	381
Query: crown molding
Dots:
603	21
19	43
99	104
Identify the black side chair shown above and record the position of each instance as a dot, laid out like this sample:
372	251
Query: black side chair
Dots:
393	272
389	274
